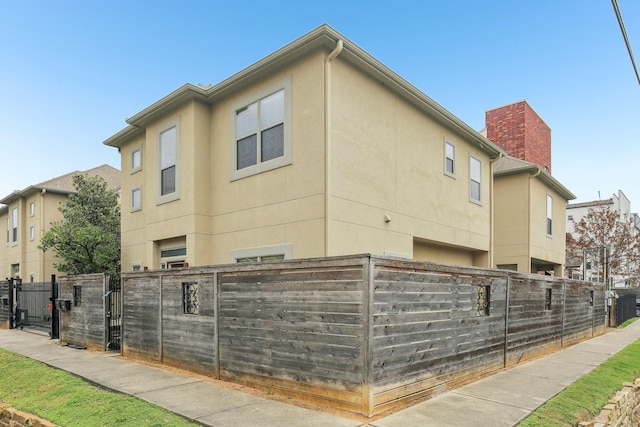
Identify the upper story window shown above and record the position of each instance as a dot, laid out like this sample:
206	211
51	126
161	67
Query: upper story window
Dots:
168	158
32	208
8	228
136	160
475	176
261	126
549	215
14	224
449	158
32	233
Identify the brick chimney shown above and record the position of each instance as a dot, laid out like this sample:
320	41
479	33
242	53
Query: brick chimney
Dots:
519	131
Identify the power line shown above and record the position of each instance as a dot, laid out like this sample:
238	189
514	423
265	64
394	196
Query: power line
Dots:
626	39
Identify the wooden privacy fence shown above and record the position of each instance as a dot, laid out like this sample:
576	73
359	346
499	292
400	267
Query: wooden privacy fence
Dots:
361	333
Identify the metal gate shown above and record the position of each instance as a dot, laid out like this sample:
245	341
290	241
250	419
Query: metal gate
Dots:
33	306
625	308
113	306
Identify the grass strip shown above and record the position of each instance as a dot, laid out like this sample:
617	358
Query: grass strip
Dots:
584	399
67	400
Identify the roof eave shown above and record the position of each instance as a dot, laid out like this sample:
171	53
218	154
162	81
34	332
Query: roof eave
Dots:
323	36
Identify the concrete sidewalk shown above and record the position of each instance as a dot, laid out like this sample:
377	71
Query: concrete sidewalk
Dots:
502	399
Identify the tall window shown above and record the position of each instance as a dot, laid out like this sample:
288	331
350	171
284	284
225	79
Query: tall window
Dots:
475	173
549	215
136	160
32	208
136	199
261	126
449	158
14	224
168	161
32	233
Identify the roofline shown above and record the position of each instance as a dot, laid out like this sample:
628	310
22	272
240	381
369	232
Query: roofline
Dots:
543	175
591	203
30	190
323	36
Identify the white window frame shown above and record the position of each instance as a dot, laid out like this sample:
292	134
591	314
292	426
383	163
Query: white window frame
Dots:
136	167
135	207
32	233
32	208
176	261
136	266
175	195
448	144
549	222
473	159
262	251
259	167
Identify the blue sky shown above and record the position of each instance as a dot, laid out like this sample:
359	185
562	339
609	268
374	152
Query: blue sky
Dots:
72	71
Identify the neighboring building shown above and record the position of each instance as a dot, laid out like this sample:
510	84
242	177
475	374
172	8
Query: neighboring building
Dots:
316	150
28	213
593	269
617	203
529	218
518	130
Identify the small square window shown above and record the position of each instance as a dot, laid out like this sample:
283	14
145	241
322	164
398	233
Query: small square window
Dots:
190	305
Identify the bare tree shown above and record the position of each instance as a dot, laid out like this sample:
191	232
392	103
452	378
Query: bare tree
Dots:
614	240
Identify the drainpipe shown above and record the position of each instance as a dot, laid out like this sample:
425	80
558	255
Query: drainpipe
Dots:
491	214
327	140
529	220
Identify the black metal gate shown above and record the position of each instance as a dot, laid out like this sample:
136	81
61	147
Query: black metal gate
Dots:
113	305
32	305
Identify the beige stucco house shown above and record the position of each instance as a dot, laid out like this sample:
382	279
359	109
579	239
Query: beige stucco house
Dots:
529	218
316	150
28	213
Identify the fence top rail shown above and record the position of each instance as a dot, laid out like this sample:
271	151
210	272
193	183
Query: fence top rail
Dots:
350	261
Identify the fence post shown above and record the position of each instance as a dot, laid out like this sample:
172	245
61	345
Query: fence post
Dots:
506	321
55	318
563	313
367	372
216	323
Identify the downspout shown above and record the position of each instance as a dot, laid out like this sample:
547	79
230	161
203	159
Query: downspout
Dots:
529	220
327	140
491	214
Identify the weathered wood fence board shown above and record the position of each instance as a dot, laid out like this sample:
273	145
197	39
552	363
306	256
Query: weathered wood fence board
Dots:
85	323
361	333
5	307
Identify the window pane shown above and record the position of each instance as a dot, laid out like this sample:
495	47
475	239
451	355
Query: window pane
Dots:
246	259
475	190
247	151
475	169
173	252
272	109
135	159
168	148
272	143
450	151
449	164
168	180
247	120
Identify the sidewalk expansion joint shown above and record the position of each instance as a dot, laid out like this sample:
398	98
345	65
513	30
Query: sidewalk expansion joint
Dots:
167	387
473	396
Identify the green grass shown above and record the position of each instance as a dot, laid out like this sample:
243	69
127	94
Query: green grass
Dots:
628	322
67	400
585	398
